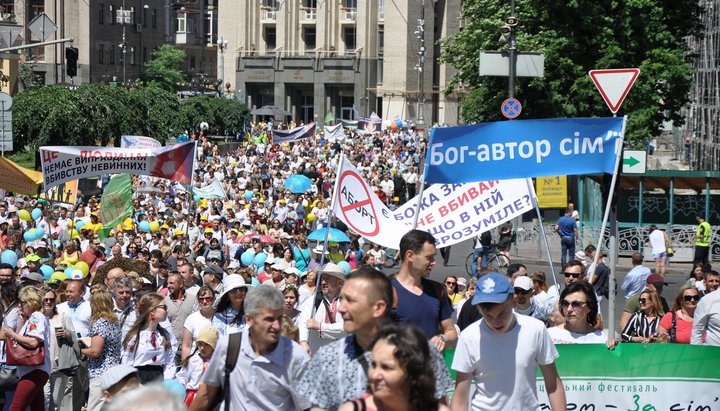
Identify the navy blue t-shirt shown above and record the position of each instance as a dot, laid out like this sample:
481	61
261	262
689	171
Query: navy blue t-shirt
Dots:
566	225
424	310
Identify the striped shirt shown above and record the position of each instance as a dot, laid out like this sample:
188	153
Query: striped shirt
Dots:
640	326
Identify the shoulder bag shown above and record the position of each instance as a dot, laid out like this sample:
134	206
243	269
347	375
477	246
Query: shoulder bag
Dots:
17	354
673	328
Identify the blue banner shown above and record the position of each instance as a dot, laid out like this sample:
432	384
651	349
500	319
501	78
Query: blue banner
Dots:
524	148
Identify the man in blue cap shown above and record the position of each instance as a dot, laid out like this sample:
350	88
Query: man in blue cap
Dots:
501	340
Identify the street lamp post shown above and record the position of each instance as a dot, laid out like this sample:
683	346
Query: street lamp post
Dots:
420	33
222	45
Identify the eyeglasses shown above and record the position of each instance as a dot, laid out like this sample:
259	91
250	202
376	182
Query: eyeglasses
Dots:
49	300
642	300
163	306
202	299
22	303
240	290
576	305
573	275
689	298
521	291
450	283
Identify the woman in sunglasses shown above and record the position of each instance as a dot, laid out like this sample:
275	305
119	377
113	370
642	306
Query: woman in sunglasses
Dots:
579	306
676	325
642	326
198	320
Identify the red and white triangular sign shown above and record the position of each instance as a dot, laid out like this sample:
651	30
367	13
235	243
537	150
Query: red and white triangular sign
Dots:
614	85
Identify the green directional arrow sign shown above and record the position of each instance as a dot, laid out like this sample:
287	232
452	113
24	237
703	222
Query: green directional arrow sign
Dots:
631	161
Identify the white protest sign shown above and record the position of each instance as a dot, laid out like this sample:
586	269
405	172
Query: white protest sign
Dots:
359	208
453	213
138	142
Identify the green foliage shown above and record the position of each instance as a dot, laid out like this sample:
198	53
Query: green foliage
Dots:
96	113
577	36
165	70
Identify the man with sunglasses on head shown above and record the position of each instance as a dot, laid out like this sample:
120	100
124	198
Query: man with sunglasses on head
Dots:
526	305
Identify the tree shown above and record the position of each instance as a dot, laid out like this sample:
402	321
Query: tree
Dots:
165	70
577	36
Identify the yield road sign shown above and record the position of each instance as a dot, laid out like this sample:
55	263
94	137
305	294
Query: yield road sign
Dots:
614	85
511	108
634	161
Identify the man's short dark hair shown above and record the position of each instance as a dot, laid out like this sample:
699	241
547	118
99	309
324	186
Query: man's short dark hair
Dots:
414	240
380	285
575	263
514	268
6	266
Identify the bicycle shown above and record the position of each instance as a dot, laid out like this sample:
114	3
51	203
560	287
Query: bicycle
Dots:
496	261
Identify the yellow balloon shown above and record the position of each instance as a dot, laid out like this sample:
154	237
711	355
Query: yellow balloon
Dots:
311	217
128	224
154	227
82	266
24	215
57	276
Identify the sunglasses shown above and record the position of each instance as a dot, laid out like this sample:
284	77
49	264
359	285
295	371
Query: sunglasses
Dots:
576	305
642	300
573	275
521	291
49	300
450	283
202	299
689	298
240	290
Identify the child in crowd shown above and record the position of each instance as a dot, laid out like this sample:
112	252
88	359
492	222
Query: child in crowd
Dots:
194	366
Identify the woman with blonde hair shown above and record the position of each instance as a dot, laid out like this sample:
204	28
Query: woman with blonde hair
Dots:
33	330
103	349
147	344
642	326
70	255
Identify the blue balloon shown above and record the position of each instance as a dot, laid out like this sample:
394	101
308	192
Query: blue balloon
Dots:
399	123
29	236
39	233
248	195
246	258
68	271
46	271
79	224
196	198
9	257
260	259
144	226
345	266
175	387
36	214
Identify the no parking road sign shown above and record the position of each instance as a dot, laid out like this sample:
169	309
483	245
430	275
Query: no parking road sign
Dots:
511	108
356	205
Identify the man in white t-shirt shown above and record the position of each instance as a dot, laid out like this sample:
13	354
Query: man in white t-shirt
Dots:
501	340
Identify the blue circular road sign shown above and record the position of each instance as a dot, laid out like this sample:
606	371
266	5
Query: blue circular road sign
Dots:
511	108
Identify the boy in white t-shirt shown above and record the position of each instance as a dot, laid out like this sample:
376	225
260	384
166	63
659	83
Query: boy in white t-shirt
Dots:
501	340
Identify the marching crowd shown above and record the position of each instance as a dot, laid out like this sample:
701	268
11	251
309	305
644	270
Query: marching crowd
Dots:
217	300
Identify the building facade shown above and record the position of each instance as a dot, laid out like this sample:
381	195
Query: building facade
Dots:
701	133
115	38
311	57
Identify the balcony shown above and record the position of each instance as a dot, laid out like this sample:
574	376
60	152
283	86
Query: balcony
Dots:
348	15
308	15
268	15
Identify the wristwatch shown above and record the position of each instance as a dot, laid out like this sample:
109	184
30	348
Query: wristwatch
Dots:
441	337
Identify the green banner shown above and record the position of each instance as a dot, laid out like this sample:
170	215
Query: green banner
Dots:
329	117
638	377
115	204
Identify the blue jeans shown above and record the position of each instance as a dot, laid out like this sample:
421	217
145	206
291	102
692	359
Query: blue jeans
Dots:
567	243
477	252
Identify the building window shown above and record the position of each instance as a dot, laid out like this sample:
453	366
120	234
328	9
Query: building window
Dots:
309	35
270	38
349	4
381	39
101	53
111	57
210	26
184	23
311	4
132	56
154	18
349	38
145	17
379	71
101	14
8	6
112	14
273	4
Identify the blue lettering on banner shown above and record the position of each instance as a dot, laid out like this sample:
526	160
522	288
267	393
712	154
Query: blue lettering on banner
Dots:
522	149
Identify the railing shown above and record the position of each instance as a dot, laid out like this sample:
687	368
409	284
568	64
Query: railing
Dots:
268	14
308	15
348	14
630	238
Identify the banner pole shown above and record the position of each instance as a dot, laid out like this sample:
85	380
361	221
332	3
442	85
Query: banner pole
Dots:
318	280
531	189
606	215
422	183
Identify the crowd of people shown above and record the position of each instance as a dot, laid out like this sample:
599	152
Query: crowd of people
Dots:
218	300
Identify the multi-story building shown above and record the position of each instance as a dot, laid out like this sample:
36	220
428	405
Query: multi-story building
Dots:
115	38
701	132
314	56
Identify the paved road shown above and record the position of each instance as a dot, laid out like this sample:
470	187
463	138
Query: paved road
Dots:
676	276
